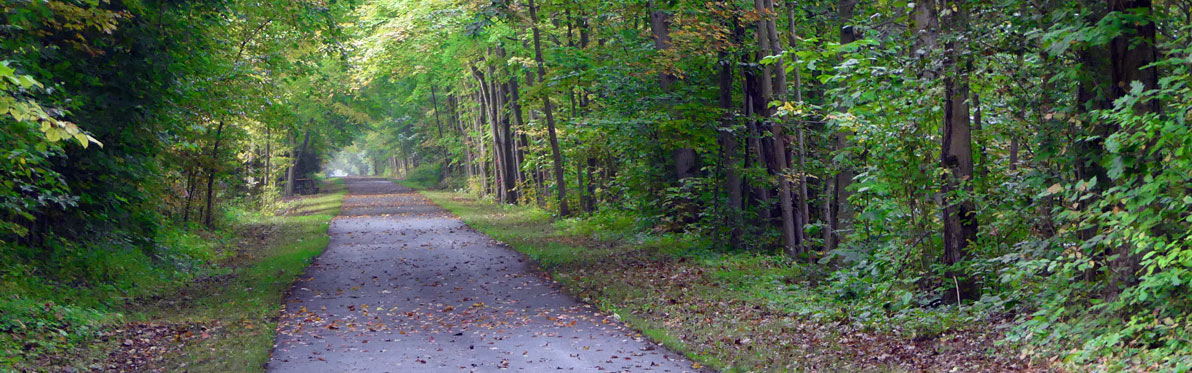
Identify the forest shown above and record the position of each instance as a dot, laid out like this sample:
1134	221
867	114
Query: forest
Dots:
1011	172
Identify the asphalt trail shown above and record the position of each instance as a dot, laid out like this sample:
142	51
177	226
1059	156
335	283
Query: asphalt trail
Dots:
406	286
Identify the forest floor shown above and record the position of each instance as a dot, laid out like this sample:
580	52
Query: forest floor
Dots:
221	322
712	310
406	286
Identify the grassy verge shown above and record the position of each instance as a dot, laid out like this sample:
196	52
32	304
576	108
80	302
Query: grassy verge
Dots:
236	314
731	311
214	313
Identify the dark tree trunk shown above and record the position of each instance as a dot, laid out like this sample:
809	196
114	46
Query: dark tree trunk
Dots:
268	159
434	100
1130	53
463	133
768	35
209	221
290	173
841	210
556	155
493	95
755	152
804	207
684	158
960	221
519	156
978	137
190	193
729	148
591	168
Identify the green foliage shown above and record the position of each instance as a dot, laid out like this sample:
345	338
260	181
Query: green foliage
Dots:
57	298
425	176
31	327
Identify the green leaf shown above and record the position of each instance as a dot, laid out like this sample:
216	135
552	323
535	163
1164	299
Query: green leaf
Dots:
1115	168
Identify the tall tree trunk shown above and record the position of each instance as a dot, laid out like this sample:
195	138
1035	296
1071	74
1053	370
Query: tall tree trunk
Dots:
490	93
979	137
684	158
804	207
1130	53
434	100
755	147
583	187
960	221
519	124
556	155
591	169
508	155
463	132
209	221
268	159
290	173
841	210
728	145
791	243
190	194
477	127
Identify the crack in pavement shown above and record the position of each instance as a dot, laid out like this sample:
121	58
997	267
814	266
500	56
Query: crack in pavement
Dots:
405	285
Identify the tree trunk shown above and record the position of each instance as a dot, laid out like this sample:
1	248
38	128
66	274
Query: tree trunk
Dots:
591	168
804	207
463	132
190	194
960	223
556	155
490	94
791	243
841	211
209	220
754	146
1130	53
978	137
684	158
728	145
434	100
482	160
293	167
519	156
268	159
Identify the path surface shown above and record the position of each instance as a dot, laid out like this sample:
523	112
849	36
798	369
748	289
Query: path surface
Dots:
406	286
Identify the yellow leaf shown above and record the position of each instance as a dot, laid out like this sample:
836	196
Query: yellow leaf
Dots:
1056	188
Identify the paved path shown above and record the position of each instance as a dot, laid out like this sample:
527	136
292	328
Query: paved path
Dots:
406	286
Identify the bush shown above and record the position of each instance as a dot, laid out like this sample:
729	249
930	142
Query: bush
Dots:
425	176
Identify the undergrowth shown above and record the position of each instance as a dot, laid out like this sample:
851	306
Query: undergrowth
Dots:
59	306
